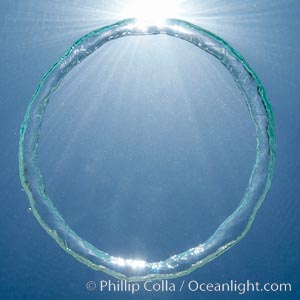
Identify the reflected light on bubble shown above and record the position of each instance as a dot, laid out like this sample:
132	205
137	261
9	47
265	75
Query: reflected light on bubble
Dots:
133	263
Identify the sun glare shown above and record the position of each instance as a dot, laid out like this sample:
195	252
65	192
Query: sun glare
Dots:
152	10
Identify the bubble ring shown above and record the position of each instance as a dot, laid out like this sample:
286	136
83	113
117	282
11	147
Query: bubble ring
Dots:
233	228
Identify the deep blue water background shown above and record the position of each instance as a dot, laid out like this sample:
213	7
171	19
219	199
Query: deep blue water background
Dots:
35	34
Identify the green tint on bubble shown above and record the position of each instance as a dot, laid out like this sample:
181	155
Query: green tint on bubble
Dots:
233	228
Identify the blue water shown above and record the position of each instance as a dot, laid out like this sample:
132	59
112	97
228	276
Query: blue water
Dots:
147	163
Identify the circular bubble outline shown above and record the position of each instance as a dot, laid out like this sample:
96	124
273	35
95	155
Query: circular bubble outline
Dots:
233	228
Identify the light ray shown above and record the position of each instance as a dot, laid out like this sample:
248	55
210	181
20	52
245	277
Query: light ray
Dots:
152	10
